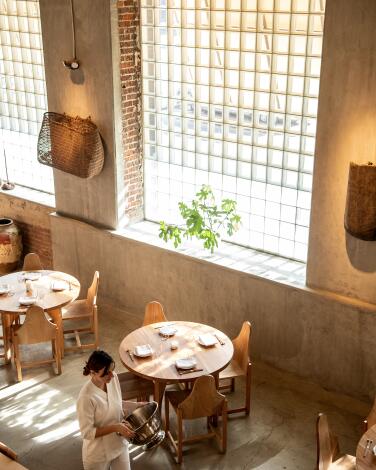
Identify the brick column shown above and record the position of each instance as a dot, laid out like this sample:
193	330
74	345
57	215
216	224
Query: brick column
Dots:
130	75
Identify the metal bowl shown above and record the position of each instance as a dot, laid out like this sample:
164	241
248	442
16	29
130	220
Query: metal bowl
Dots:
146	423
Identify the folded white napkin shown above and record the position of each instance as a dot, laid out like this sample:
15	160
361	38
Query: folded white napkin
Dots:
27	300
59	285
143	350
186	363
207	339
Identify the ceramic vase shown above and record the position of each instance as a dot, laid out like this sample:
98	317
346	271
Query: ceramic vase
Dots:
10	245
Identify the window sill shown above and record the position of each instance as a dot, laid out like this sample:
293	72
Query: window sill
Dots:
31	195
227	255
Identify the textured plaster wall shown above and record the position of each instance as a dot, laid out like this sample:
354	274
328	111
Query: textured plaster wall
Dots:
337	261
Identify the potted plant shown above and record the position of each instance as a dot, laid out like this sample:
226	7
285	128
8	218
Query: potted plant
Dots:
204	219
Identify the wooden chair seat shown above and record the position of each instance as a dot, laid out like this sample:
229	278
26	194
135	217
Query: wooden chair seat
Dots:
328	448
36	329
133	386
203	401
240	366
232	370
346	462
79	308
85	309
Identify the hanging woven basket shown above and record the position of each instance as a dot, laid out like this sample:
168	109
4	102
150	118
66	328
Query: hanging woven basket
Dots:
70	144
360	214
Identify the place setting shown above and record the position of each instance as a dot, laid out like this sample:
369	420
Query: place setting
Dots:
6	291
187	365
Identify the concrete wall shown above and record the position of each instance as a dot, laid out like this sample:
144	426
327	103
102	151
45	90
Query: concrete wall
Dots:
88	91
337	261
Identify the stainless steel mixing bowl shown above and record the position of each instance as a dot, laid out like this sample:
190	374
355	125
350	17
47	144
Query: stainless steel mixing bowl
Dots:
146	423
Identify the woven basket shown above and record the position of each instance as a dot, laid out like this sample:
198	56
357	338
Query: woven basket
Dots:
70	144
360	214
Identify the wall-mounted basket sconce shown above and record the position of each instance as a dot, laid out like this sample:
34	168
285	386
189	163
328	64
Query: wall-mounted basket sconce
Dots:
360	213
70	144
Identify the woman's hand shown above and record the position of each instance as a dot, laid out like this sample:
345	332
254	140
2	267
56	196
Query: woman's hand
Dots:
125	430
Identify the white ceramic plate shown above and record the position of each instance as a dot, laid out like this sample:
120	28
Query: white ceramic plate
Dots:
31	276
143	351
58	286
4	289
27	300
186	363
207	340
167	330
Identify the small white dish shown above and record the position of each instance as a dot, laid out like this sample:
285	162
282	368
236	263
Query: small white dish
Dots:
4	289
207	340
167	330
143	351
186	363
31	276
374	450
174	345
28	300
58	286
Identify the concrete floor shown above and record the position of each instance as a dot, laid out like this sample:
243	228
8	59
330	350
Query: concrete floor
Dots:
38	420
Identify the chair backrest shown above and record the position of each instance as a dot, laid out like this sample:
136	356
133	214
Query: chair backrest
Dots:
327	443
92	292
241	345
204	400
153	313
371	418
32	262
36	328
4	449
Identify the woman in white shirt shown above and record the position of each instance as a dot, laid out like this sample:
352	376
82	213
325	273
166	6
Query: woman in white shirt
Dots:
100	412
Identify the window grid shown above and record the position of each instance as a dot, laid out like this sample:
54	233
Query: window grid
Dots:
23	97
230	91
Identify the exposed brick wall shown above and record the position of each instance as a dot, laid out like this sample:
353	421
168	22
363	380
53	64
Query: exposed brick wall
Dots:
33	221
130	75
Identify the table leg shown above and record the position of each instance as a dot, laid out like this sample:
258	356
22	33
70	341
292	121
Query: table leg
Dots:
216	378
56	316
159	388
7	319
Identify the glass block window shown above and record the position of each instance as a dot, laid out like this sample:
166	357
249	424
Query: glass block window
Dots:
22	94
230	92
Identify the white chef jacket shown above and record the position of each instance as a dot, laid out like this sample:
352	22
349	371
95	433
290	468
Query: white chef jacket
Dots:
96	408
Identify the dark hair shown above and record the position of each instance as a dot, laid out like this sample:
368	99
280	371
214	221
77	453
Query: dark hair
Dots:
96	362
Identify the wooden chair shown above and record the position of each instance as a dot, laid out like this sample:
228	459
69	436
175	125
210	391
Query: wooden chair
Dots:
371	418
153	313
135	387
328	448
4	449
85	309
32	263
203	401
240	366
35	329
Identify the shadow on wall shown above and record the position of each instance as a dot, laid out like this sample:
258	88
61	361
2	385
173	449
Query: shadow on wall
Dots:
362	254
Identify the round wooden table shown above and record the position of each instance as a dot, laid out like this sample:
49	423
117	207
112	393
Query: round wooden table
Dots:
160	367
49	300
365	459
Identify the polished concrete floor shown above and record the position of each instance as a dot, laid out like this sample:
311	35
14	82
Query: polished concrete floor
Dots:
38	419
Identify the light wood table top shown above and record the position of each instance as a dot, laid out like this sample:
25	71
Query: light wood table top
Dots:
160	367
9	464
47	298
368	461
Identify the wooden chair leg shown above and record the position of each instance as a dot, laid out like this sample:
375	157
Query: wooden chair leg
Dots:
248	391
180	436
232	388
56	348
16	353
224	427
167	415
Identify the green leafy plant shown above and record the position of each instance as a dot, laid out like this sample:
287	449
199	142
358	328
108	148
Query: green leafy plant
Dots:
204	219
